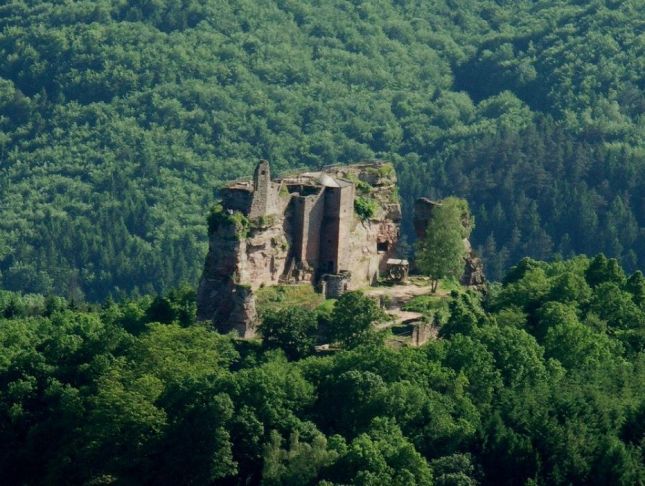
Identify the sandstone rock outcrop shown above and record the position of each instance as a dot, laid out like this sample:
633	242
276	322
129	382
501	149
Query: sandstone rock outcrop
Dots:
474	268
342	222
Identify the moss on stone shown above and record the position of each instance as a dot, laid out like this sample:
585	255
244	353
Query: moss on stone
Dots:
394	195
241	223
386	171
284	191
362	187
263	221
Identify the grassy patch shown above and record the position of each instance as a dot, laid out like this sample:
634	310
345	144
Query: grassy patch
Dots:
419	281
433	306
278	297
423	304
445	284
450	284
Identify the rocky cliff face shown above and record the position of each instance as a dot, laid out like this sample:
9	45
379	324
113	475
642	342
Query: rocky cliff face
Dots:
243	255
220	296
373	236
284	243
473	269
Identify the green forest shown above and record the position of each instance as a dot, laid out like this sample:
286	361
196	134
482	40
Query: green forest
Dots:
539	382
119	120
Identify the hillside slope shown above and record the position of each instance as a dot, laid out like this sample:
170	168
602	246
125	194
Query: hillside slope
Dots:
119	119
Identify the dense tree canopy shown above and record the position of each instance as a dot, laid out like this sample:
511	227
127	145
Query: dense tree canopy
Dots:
352	320
541	387
292	329
119	119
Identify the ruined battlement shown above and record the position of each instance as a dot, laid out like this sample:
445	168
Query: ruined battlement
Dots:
340	224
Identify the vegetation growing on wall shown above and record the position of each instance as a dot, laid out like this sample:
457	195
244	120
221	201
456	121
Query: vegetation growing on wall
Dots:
365	207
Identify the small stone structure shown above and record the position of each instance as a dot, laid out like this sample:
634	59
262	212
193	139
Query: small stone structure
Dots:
423	208
422	332
298	228
397	270
335	285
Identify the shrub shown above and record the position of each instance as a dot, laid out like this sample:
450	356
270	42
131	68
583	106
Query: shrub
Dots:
365	207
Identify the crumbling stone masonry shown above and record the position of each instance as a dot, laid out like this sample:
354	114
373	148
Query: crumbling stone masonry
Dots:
299	228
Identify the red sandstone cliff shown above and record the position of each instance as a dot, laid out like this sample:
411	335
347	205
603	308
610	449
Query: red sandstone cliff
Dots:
341	221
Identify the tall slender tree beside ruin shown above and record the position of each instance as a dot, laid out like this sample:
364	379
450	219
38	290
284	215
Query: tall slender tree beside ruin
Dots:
441	253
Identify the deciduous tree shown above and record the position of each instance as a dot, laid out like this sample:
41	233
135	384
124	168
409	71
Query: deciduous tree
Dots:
440	254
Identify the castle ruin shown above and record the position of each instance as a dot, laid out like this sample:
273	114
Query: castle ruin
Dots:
336	229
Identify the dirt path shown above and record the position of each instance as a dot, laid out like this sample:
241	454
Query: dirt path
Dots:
400	319
400	294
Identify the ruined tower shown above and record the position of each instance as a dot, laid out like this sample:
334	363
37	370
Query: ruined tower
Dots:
339	212
299	229
261	204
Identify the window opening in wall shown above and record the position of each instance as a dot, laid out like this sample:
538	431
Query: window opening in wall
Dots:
382	246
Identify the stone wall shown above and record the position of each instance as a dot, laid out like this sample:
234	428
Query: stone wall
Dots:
335	285
346	218
422	332
329	236
296	229
237	198
366	262
309	213
372	242
262	202
335	234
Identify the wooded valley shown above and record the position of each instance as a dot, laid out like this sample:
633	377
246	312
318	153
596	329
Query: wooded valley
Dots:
119	119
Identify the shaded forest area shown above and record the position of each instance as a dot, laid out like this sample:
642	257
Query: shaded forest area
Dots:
541	382
118	120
